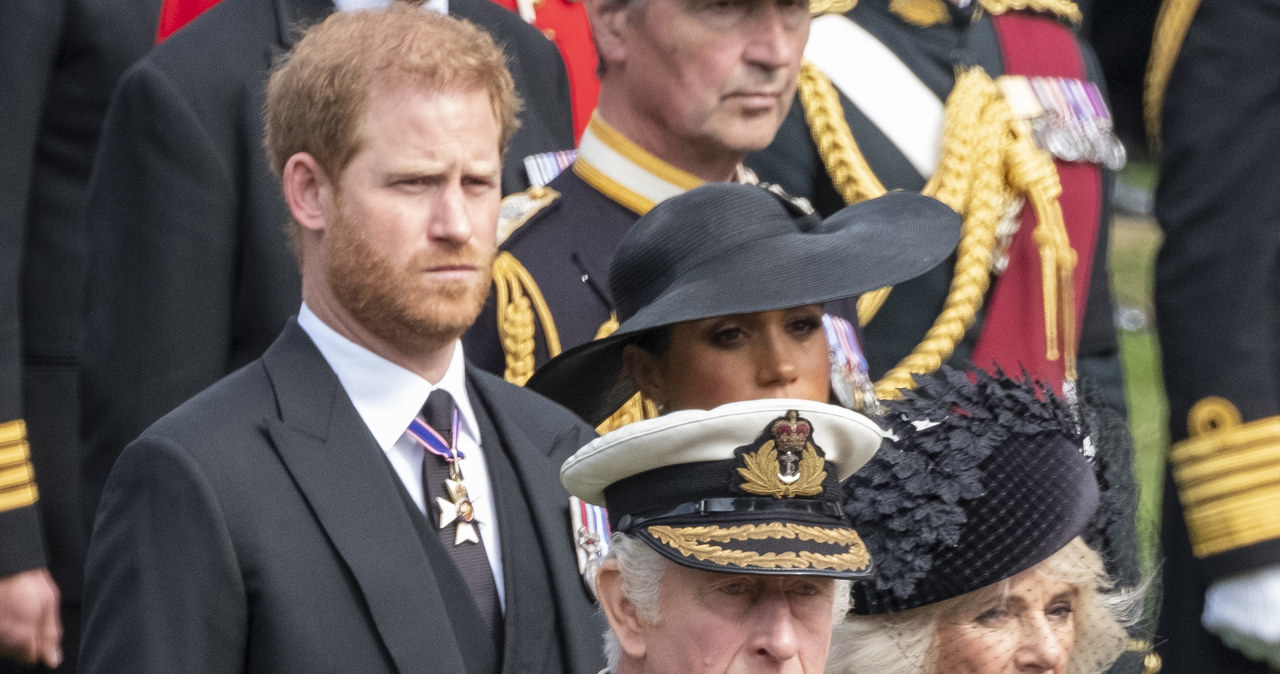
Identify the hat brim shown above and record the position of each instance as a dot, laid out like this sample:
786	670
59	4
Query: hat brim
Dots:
850	440
869	245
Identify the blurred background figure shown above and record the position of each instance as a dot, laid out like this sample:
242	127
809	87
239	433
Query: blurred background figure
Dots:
1216	111
977	511
190	274
59	60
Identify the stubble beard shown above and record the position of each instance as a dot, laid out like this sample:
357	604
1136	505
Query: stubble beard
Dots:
394	303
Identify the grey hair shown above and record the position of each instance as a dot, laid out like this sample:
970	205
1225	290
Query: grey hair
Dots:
906	642
641	569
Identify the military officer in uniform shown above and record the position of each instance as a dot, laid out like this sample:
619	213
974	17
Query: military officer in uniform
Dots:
1217	297
899	94
687	90
730	551
59	60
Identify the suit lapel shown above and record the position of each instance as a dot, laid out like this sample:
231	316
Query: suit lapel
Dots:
539	479
334	460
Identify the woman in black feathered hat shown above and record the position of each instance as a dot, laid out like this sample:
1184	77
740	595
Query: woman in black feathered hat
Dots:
719	294
975	513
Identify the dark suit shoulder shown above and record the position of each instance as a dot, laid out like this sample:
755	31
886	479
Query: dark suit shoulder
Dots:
220	417
237	31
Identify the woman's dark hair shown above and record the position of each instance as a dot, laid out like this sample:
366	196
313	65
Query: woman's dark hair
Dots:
657	341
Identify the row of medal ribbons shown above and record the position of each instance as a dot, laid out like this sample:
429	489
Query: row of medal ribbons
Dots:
1068	117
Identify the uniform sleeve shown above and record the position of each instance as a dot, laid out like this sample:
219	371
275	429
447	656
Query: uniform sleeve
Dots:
161	228
163	590
1218	284
29	37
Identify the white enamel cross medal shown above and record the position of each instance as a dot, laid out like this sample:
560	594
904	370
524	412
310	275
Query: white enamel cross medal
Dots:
458	510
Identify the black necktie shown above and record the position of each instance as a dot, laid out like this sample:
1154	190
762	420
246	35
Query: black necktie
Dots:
468	556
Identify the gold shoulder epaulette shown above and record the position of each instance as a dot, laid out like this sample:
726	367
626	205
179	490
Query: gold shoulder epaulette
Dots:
17	477
1063	9
1228	476
519	207
520	308
923	13
820	7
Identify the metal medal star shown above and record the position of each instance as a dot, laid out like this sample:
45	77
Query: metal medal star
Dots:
458	510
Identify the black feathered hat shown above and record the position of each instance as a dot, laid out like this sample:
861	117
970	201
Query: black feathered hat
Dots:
980	478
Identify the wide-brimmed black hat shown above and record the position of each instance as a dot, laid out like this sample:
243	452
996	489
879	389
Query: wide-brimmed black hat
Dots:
724	249
749	486
982	477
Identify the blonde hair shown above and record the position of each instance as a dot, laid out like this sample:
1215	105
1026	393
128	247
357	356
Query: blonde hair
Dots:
906	642
318	93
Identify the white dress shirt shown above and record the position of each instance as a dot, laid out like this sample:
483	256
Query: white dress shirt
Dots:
388	397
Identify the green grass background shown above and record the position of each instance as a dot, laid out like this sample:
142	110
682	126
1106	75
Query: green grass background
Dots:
1134	241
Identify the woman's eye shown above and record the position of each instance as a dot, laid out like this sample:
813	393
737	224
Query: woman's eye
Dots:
727	337
992	617
1062	610
806	326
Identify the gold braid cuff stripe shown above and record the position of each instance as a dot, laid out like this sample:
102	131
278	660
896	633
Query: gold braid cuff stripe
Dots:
17	476
518	298
1228	476
1171	28
701	543
989	162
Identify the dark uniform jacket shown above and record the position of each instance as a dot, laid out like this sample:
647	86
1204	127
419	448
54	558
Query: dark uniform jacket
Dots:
191	274
260	528
551	283
59	60
932	54
558	254
1218	313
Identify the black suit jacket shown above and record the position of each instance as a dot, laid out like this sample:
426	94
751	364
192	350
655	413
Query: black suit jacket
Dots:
59	61
259	528
191	274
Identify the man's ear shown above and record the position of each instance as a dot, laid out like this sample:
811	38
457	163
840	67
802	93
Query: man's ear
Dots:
623	619
645	370
608	20
307	191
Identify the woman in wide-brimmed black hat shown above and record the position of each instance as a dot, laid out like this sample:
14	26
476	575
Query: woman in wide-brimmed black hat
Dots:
720	291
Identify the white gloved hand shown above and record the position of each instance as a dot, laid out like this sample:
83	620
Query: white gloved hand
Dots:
1244	611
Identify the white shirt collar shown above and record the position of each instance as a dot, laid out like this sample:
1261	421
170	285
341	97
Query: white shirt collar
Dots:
387	396
441	6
